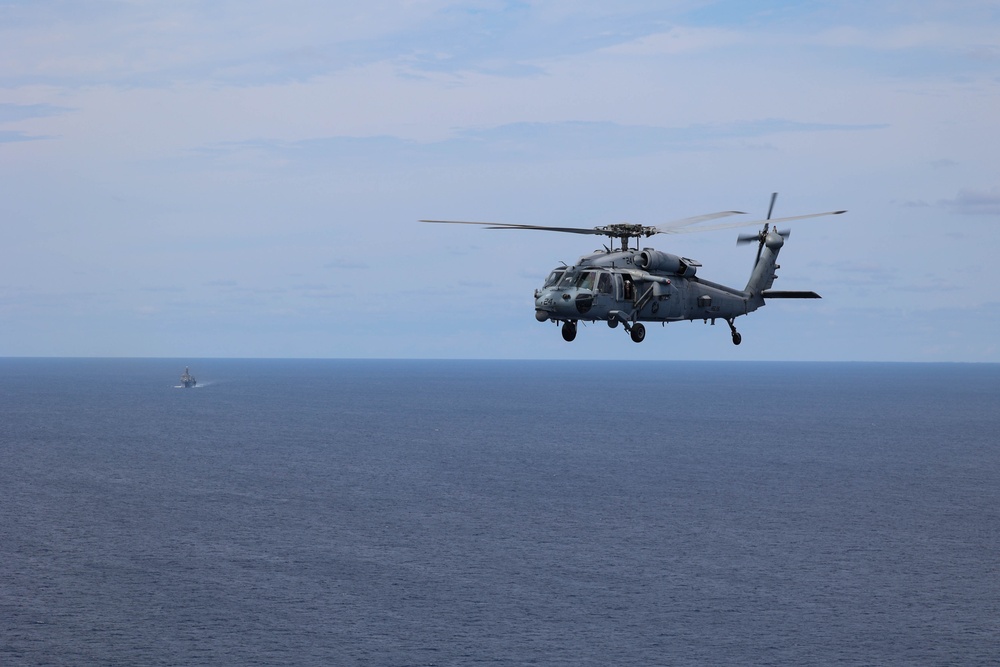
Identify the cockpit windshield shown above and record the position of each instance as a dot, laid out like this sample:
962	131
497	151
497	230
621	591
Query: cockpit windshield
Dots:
554	277
568	278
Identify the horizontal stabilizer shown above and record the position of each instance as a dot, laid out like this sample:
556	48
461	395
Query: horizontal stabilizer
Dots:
775	294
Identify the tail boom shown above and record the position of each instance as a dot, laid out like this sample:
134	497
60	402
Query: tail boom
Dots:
763	275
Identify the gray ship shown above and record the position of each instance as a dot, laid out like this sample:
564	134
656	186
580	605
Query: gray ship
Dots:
187	379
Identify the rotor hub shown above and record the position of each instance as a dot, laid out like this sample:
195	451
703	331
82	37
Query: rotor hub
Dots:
625	231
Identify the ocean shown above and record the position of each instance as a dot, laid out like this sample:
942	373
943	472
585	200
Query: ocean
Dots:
365	512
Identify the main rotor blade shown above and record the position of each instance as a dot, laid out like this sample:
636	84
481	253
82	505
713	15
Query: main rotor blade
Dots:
594	230
463	222
732	225
504	225
568	230
770	209
684	222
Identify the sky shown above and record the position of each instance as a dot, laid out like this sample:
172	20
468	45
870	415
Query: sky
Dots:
245	178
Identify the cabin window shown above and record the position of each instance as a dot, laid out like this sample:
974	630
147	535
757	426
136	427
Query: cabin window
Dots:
605	285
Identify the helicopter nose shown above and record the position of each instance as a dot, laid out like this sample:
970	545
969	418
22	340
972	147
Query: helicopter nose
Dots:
545	301
554	303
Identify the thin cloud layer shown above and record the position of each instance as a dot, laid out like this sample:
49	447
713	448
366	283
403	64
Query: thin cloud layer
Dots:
182	164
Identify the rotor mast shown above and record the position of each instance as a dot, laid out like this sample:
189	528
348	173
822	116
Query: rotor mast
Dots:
624	231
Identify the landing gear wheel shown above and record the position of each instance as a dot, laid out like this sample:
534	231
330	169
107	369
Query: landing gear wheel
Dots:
638	332
569	331
612	322
737	338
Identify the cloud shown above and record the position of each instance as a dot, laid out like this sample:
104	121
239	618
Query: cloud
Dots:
975	202
10	113
13	113
861	273
607	139
8	137
252	42
943	163
346	264
967	38
142	44
561	140
680	39
274	149
966	202
165	289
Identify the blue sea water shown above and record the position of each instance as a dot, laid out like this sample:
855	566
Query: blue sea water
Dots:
502	513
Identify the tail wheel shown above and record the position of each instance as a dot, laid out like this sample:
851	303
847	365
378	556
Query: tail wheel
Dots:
638	332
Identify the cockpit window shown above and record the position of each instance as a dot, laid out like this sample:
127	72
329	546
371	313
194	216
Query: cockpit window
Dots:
587	280
554	277
569	277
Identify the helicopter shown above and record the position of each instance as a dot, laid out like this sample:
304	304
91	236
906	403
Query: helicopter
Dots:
631	285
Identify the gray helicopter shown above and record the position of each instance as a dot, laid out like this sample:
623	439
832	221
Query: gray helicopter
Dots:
629	286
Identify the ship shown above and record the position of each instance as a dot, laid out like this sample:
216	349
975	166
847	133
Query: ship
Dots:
187	380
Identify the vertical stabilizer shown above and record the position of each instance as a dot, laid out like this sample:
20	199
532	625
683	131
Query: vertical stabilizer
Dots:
762	276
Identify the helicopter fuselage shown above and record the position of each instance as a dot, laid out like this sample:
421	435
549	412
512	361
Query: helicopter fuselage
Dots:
601	285
632	286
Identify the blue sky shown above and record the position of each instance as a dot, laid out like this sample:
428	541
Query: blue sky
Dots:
244	179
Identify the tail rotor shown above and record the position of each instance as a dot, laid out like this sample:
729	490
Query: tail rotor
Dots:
761	236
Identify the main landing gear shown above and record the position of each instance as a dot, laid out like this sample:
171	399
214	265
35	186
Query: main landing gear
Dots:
569	331
636	331
737	338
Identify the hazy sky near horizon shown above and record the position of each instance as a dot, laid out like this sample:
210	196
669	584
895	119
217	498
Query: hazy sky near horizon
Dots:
244	179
